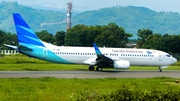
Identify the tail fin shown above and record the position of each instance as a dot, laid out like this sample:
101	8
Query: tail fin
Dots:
24	32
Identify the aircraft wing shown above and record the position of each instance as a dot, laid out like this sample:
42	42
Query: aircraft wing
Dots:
101	58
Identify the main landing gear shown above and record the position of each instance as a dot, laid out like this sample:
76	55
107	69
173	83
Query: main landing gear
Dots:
160	69
98	69
91	68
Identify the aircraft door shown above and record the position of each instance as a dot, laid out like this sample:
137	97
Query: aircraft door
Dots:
160	57
45	53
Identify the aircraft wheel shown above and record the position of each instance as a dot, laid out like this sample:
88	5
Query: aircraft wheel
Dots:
91	68
98	69
160	70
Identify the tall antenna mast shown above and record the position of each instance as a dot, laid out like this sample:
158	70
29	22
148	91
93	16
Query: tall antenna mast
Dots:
69	8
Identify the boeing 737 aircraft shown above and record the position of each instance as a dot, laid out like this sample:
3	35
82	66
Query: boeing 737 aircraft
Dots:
119	58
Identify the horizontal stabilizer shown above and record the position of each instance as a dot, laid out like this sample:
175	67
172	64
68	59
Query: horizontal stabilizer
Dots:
20	47
11	46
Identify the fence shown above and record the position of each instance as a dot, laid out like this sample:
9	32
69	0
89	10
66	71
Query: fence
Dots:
7	52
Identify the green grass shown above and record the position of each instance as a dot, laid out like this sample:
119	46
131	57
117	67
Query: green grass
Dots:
21	62
56	89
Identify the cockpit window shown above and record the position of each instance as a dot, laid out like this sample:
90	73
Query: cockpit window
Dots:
168	55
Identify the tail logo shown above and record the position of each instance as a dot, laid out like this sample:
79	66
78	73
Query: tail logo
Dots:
24	32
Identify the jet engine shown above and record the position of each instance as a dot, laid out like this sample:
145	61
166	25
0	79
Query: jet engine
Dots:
121	64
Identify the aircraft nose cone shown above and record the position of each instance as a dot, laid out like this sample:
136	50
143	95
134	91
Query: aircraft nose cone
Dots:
174	60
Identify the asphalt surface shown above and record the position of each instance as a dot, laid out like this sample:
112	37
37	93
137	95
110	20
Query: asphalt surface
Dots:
90	74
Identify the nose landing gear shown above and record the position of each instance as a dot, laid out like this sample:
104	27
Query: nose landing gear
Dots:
160	69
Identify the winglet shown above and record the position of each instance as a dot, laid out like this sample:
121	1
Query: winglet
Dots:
98	52
24	32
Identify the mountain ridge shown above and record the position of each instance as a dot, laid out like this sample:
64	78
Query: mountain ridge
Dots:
131	18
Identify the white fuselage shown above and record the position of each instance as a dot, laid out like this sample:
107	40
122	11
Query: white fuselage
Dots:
87	55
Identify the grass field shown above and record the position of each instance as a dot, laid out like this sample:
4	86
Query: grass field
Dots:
21	62
58	89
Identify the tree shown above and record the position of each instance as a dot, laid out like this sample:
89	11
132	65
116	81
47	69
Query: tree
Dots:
75	36
59	38
81	35
7	38
153	42
45	36
167	43
112	36
93	32
2	37
142	36
11	39
175	44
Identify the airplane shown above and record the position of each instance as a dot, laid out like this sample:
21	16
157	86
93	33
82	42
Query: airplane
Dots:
117	58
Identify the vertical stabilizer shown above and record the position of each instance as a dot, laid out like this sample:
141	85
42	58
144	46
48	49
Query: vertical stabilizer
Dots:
24	32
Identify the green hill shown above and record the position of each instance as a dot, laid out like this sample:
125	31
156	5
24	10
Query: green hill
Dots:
130	18
32	16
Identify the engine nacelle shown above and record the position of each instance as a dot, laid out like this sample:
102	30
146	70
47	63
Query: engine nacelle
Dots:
121	64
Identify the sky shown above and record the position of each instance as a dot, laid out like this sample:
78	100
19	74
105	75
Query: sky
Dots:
84	5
